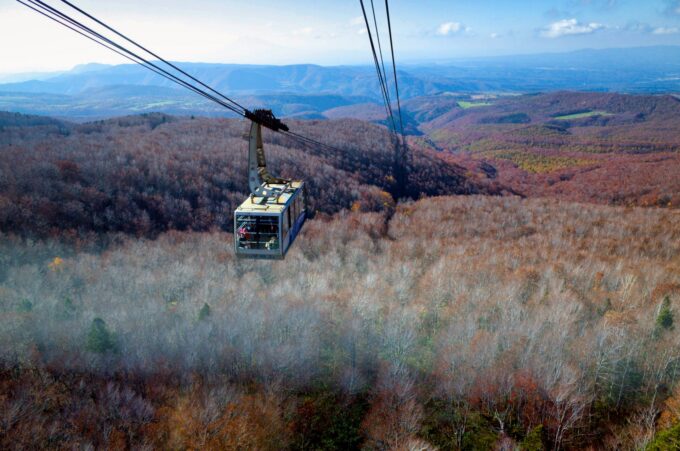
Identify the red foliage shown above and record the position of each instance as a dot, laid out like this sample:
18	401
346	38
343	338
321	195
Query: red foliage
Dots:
147	174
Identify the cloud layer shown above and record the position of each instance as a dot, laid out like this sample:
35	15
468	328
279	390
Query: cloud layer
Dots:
451	28
570	27
666	30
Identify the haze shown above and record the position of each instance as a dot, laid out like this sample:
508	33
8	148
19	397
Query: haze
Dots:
331	32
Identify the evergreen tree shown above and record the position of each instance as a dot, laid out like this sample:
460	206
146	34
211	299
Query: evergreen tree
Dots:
533	440
204	312
664	321
99	339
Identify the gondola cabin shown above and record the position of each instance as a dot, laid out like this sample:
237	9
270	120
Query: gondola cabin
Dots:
266	226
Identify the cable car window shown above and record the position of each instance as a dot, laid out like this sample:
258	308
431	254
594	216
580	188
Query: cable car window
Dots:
257	232
298	207
284	225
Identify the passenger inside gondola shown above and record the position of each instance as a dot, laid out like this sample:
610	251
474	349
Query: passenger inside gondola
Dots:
244	236
272	244
257	232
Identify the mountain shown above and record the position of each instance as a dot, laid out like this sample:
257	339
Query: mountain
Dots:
582	146
98	91
28	76
230	78
659	58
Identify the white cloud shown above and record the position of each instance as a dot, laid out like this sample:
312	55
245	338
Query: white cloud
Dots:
570	27
639	27
451	28
359	24
357	21
306	31
494	35
665	30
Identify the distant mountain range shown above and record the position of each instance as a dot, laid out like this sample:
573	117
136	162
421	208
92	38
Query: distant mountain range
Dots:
98	91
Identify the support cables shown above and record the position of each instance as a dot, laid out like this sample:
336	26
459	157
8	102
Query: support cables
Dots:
381	80
394	70
382	60
401	152
401	157
179	77
153	54
75	25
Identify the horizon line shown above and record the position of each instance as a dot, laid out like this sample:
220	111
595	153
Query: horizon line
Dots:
407	61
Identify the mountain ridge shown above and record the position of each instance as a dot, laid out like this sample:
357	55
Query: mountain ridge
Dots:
647	70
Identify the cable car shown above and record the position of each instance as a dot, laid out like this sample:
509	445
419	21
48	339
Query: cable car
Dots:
269	220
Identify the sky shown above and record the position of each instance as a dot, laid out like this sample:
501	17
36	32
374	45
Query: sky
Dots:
332	32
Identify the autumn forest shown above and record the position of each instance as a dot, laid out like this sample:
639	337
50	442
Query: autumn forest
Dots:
521	292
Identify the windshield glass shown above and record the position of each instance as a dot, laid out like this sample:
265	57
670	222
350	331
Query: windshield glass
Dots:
257	232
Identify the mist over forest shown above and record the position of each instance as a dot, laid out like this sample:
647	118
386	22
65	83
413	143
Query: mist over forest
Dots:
530	323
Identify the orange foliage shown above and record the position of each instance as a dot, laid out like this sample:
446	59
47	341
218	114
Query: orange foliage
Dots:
218	420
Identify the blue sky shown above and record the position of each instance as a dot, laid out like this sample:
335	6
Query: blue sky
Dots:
332	32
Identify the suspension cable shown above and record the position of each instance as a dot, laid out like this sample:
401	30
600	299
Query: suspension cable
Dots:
310	141
383	87
67	21
394	70
152	54
382	61
401	152
97	37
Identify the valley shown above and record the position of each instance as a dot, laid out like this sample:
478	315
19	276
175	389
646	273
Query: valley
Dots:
604	148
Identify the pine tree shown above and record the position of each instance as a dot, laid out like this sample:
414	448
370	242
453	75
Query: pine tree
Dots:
664	321
533	440
204	312
99	339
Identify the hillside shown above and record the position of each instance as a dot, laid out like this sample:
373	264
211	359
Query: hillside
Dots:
151	173
466	322
148	174
593	147
590	147
472	323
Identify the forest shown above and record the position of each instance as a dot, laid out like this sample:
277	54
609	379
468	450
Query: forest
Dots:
147	174
522	294
473	251
471	322
605	148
